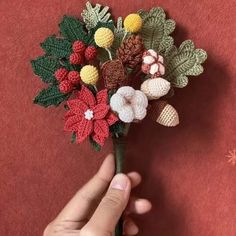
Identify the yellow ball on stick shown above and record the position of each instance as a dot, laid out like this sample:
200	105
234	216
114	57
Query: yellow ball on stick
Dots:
133	23
89	74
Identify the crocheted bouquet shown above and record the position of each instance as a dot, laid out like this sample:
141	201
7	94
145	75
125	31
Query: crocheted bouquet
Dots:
111	75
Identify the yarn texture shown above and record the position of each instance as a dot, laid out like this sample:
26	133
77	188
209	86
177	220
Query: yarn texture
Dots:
90	53
61	74
65	86
130	104
113	74
155	88
74	77
76	59
89	115
153	63
164	114
133	23
131	50
89	74
104	37
78	47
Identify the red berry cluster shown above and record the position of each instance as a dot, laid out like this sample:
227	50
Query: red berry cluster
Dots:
67	79
82	53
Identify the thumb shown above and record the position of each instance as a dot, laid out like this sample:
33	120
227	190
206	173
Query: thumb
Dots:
110	209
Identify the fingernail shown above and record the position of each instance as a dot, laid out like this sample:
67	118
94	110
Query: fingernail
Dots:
120	182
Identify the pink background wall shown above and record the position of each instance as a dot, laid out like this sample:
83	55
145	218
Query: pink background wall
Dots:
185	169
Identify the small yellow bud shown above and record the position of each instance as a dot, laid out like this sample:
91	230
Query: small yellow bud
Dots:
89	74
133	23
104	37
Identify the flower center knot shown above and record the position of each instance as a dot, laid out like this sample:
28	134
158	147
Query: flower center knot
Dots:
88	114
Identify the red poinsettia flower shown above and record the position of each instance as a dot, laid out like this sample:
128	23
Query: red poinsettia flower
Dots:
90	115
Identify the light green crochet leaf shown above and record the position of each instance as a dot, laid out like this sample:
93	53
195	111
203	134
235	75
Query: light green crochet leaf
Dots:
93	15
156	30
56	47
183	62
119	32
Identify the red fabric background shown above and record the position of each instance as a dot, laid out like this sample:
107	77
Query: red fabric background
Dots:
185	169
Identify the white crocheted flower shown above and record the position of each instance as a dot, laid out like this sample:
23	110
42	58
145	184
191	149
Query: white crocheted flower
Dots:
153	63
130	104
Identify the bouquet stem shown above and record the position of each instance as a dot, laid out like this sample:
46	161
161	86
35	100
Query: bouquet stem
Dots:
118	144
119	147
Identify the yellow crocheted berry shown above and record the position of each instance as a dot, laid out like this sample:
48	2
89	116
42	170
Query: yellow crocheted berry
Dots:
89	74
133	23
104	37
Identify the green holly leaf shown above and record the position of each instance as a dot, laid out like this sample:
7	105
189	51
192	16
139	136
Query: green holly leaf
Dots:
57	47
94	144
94	15
45	68
72	29
50	96
183	62
156	30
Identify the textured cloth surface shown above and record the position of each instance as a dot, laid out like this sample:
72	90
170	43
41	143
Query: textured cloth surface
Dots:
185	169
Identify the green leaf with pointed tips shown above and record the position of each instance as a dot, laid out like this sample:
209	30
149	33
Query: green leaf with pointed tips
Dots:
57	47
156	30
94	15
72	29
183	62
45	68
50	96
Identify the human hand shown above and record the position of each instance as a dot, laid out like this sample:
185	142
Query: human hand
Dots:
95	210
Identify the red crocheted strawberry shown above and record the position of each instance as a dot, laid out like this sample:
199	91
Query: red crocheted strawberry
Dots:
90	115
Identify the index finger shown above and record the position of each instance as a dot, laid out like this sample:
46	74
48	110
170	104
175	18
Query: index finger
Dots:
85	200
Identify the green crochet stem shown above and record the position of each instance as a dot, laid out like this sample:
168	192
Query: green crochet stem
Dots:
119	146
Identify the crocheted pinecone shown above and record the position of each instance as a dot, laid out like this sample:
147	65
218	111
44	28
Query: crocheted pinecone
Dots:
113	74
131	50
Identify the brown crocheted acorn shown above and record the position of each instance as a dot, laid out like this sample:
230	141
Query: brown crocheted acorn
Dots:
113	74
131	50
163	113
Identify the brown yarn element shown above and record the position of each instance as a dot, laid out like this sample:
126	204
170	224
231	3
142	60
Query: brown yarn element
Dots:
131	50
155	109
113	73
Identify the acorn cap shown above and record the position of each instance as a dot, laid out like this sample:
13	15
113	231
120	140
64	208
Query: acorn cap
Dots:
164	114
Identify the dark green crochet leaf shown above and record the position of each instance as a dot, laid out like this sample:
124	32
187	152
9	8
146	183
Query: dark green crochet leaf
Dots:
117	128
57	47
73	137
156	30
183	62
72	29
94	144
50	96
45	67
94	15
